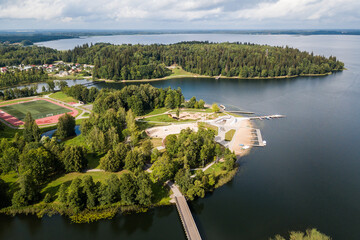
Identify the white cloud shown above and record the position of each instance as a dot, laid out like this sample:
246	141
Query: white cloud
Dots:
66	19
66	10
35	9
298	9
217	12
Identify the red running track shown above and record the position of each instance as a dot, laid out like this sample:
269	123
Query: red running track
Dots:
41	121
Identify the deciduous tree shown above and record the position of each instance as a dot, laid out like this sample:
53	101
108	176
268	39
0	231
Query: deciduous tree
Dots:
74	158
66	126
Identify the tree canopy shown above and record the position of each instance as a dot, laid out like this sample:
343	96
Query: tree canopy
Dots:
245	60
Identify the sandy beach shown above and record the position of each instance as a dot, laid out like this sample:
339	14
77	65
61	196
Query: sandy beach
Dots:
242	137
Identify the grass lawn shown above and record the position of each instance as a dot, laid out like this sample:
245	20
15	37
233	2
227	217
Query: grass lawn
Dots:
165	118
38	109
53	186
9	132
145	125
14	101
229	135
217	168
62	97
160	118
178	71
161	194
69	77
79	121
93	158
155	111
78	141
157	142
205	110
11	179
79	112
209	126
48	128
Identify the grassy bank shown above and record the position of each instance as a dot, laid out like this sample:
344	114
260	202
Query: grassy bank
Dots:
208	126
224	176
53	186
69	77
161	197
16	101
9	132
86	216
155	112
229	135
165	119
184	74
61	96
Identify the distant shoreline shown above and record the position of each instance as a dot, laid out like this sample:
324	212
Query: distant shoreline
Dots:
40	36
172	77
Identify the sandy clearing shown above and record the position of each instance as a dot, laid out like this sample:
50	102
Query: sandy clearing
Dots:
163	131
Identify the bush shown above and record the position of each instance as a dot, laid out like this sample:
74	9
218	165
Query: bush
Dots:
47	198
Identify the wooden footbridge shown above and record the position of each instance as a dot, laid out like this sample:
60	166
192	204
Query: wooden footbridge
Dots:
92	83
187	220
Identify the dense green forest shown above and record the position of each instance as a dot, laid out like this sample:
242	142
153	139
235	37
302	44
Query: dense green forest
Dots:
11	55
13	93
130	62
139	99
14	78
212	59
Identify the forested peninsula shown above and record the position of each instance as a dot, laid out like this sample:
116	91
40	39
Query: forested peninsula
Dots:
105	169
136	62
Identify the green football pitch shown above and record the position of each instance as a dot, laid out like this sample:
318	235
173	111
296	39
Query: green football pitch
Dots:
38	109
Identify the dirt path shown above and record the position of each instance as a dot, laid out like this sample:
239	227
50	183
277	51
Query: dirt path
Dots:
94	170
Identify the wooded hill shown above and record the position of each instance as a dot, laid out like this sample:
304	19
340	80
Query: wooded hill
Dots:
119	62
130	62
15	54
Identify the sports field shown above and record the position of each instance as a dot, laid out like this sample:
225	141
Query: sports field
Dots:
38	109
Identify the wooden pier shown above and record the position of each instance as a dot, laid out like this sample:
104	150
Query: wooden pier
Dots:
258	139
187	219
268	117
240	112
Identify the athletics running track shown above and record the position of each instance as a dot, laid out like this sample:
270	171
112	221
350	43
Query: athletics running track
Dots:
41	121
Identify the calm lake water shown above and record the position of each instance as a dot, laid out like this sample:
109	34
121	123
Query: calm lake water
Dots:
306	177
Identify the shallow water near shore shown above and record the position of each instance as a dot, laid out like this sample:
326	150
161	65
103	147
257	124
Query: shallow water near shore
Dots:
306	177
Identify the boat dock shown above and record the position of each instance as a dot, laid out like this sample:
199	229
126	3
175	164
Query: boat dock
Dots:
259	139
268	117
187	220
240	112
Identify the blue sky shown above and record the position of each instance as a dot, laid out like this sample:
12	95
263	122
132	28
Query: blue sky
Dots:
175	14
